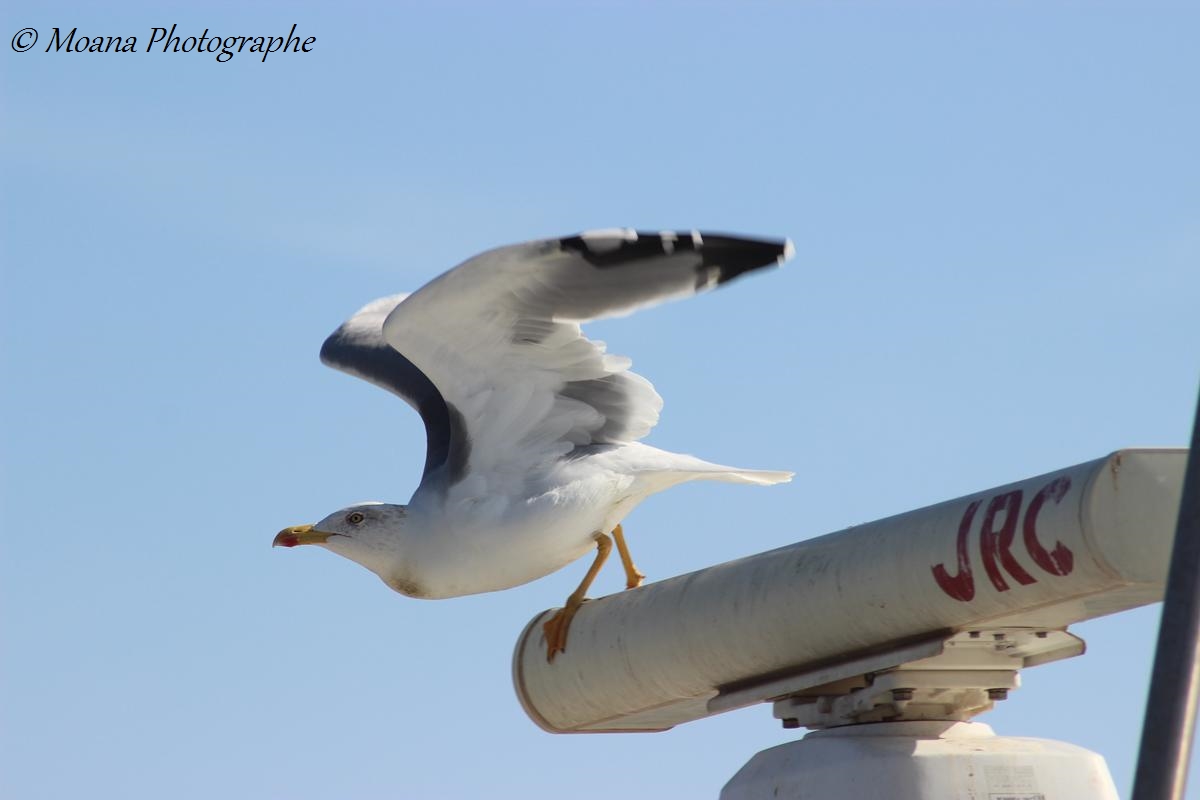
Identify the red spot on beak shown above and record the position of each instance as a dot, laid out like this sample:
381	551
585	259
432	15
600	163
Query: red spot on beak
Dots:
300	534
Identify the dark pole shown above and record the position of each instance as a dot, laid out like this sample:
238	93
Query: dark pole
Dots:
1171	708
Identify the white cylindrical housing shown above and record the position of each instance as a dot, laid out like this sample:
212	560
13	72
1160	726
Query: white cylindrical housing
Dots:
1045	552
920	761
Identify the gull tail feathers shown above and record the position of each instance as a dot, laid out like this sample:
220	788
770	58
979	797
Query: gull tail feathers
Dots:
761	477
676	468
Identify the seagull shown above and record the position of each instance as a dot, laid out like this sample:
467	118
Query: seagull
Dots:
533	455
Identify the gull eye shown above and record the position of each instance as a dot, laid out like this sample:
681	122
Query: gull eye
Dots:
355	517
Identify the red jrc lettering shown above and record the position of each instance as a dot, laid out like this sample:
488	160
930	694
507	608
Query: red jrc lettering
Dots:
1060	560
997	533
997	543
960	586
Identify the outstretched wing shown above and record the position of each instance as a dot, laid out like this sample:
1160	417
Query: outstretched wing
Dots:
498	336
358	348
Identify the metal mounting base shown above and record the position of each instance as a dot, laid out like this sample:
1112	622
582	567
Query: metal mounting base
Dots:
951	678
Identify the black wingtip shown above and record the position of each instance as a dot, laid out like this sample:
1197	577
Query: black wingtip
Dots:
724	256
732	256
616	247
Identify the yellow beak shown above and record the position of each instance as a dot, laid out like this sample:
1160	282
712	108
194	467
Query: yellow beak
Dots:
300	534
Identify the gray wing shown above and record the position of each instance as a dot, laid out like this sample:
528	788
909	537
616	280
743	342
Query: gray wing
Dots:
499	337
358	348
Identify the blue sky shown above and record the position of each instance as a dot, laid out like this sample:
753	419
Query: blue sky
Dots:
997	227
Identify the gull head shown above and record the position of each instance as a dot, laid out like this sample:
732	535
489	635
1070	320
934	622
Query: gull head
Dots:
368	534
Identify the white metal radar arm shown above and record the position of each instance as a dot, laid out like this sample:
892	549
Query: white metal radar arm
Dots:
930	612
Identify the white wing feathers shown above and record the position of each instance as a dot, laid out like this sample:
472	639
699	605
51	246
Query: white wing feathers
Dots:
499	336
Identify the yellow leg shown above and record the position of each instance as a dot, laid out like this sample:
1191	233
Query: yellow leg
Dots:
556	627
633	576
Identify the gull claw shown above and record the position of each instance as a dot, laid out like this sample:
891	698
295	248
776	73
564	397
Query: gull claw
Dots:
555	630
